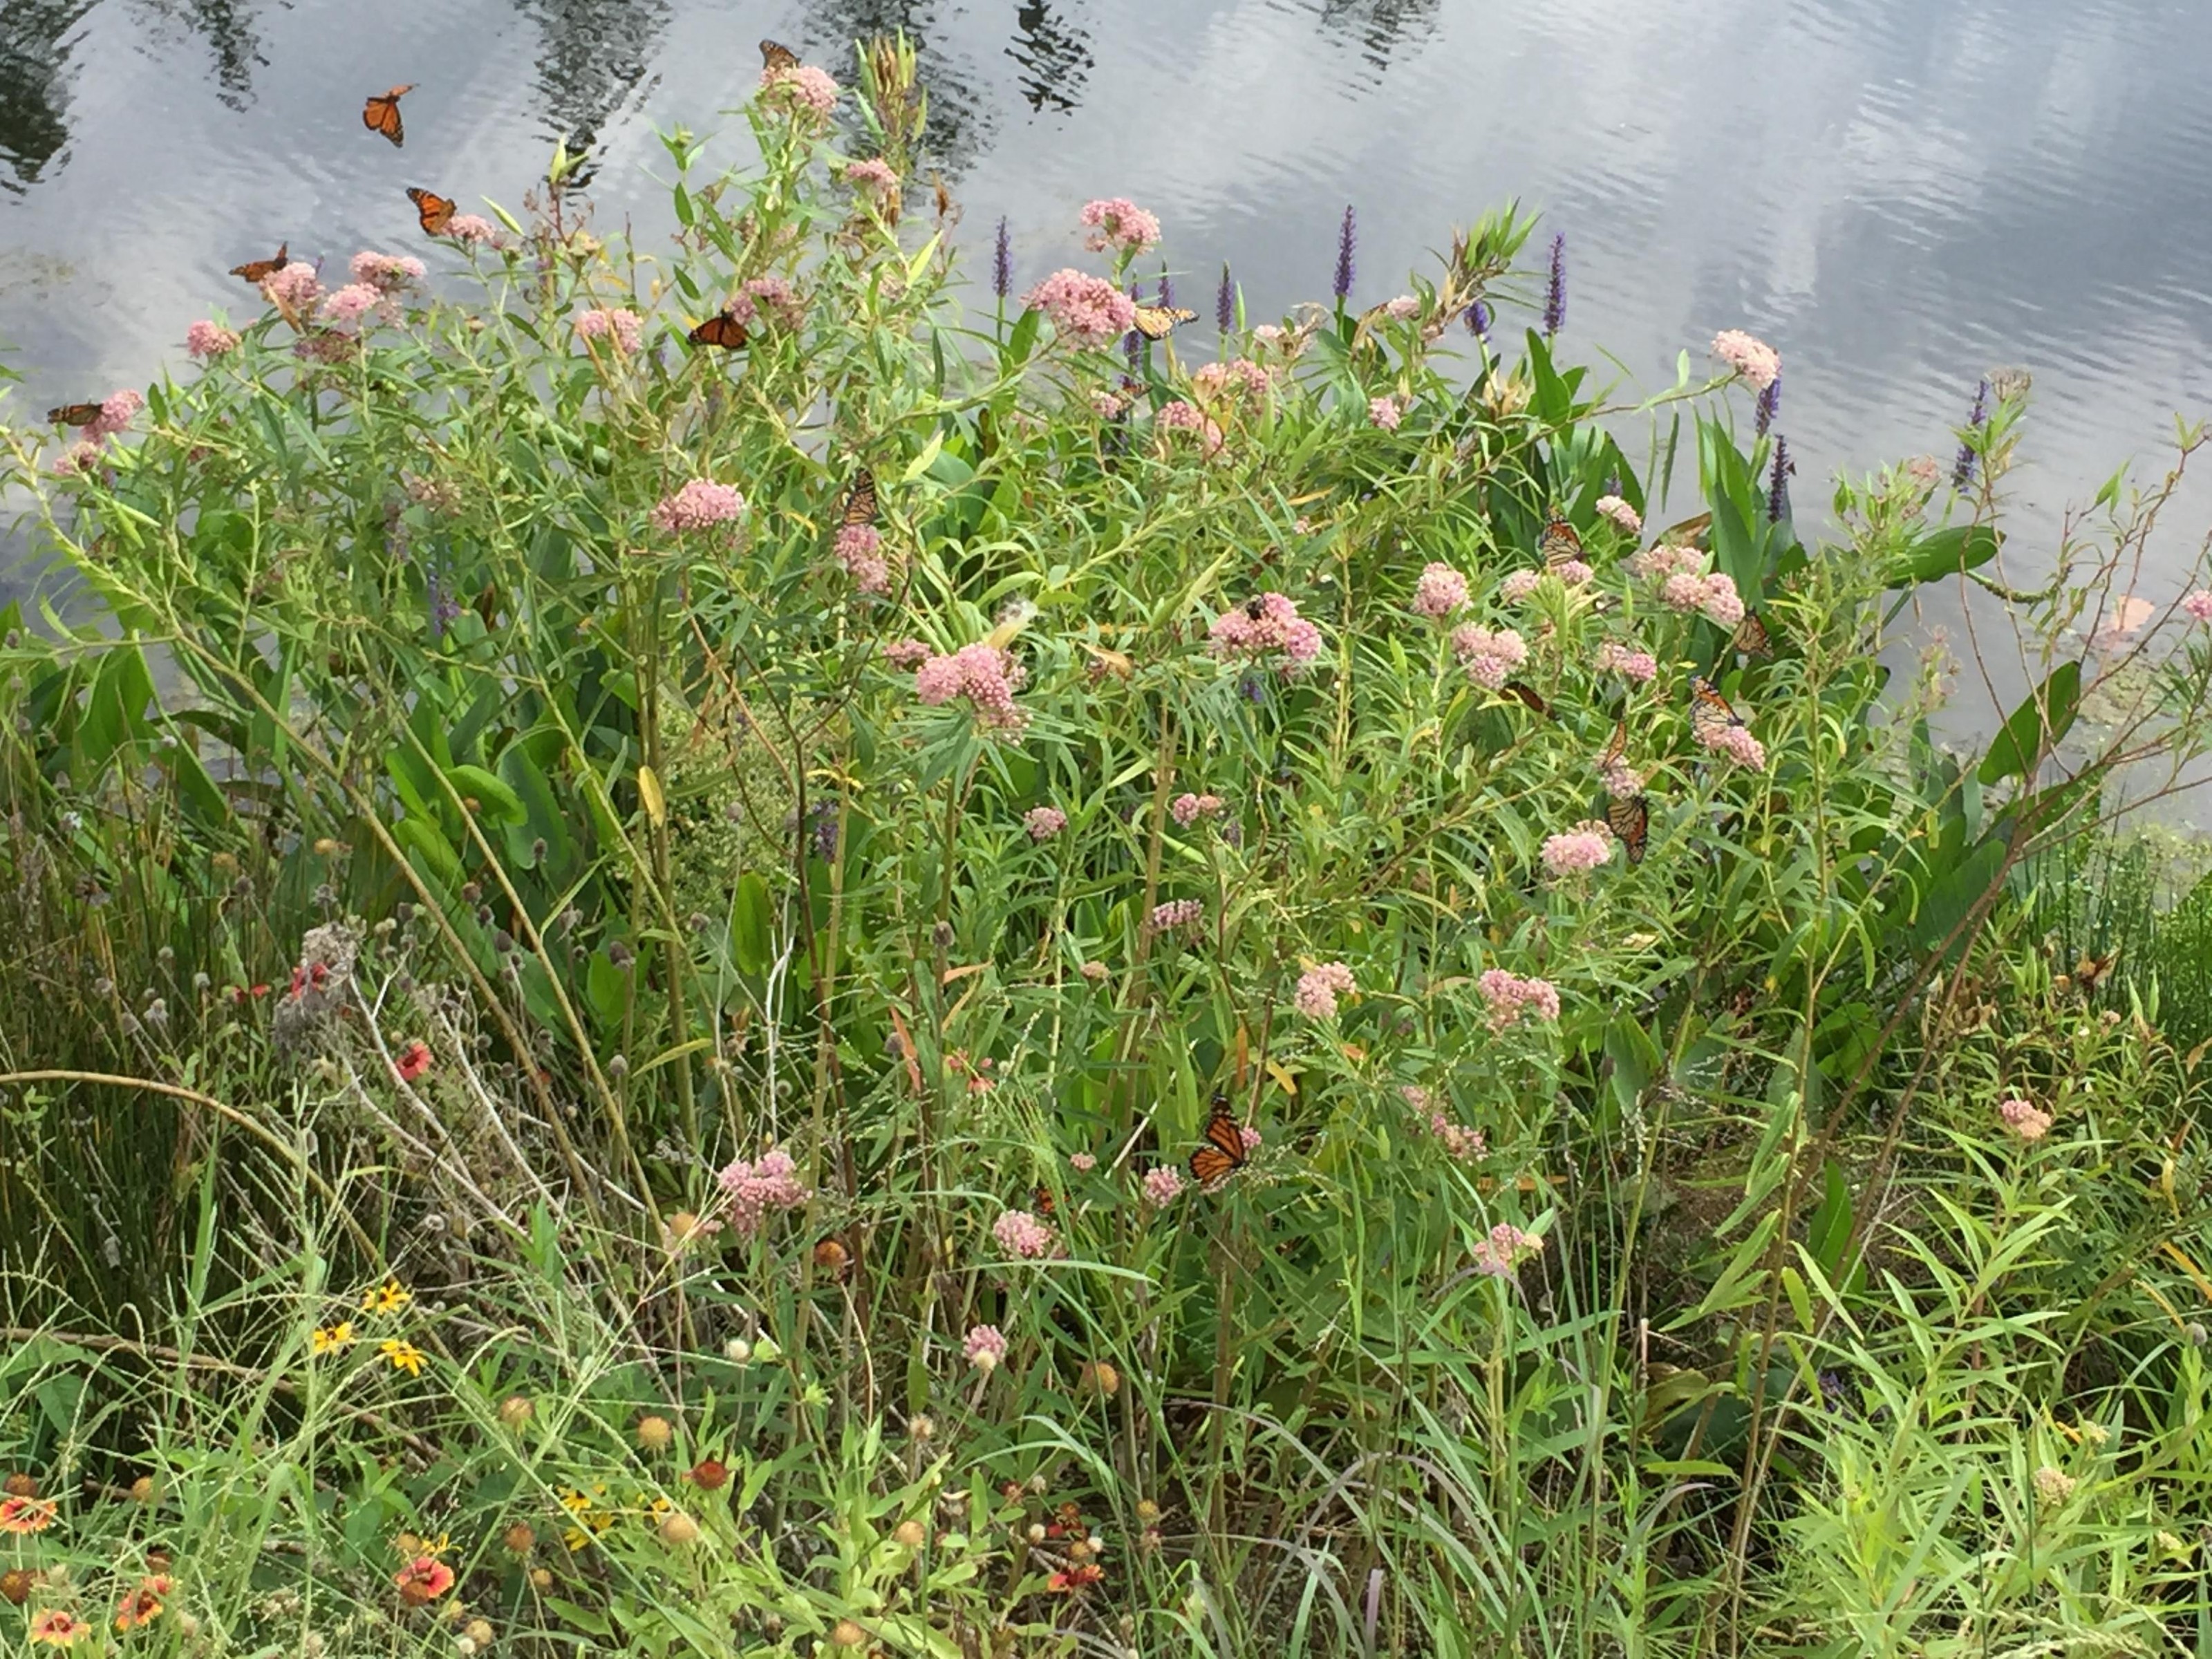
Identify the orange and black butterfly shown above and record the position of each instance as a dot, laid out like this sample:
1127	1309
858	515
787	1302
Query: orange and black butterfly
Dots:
258	271
1529	697
381	114
721	329
2089	972
74	414
1711	714
777	56
1043	1202
1617	751
1559	545
1630	820
1222	1153
1157	322
435	211
860	500
1752	638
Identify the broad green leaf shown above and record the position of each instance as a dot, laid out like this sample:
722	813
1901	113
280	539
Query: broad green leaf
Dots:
2035	728
1943	553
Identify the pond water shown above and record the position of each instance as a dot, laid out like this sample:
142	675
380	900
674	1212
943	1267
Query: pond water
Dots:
1899	194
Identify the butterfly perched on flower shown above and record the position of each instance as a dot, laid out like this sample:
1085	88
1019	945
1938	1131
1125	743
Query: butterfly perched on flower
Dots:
776	58
1630	820
860	500
1222	1153
1157	322
722	330
1617	751
1752	637
75	414
1042	1200
381	113
434	212
258	271
1560	543
1711	714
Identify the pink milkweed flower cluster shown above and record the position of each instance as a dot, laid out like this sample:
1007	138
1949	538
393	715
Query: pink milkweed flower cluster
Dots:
1385	412
2025	1119
1319	988
1583	847
618	323
1757	361
1622	781
82	457
1163	1185
1183	416
1022	1235
986	1347
767	299
1512	998
1721	602
906	655
294	289
1441	590
1614	658
1519	585
860	550
117	410
754	1189
353	302
1489	657
1504	1250
471	228
2199	605
1043	823
1084	1162
388	273
875	176
804	90
1459	1142
699	505
1614	508
1250	1137
1187	809
1402	308
208	340
986	676
1738	744
1119	223
1177	914
1094	970
1666	560
1277	628
1572	572
1239	377
1087	310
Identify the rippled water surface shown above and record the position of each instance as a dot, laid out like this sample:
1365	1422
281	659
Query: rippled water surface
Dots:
1900	194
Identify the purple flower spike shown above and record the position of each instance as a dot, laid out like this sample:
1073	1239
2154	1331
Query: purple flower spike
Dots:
1778	492
1167	288
1002	263
1555	295
1347	240
1962	470
1770	404
1132	348
1477	319
1224	302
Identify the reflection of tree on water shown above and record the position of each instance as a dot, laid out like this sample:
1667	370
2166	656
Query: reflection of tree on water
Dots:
594	56
228	29
959	120
1380	26
33	59
1054	55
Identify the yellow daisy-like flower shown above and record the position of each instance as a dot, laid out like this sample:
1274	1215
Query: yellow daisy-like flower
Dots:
388	1298
332	1337
403	1356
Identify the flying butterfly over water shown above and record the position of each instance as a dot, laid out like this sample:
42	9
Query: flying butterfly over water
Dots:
381	112
860	500
1222	1153
777	56
1752	637
721	329
1630	820
1711	714
1559	543
258	271
1157	322
434	211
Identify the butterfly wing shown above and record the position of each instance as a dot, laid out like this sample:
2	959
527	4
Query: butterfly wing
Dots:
1711	714
1157	322
258	271
722	330
1752	637
1559	542
1618	749
1222	1154
1630	820
1529	697
435	211
74	415
381	113
860	499
777	56
1041	1201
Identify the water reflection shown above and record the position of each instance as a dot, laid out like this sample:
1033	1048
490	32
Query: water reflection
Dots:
961	123
229	30
1054	56
1383	28
34	53
591	60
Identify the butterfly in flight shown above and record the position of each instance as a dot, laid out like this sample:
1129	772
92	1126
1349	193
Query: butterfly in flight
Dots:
1157	322
381	114
860	500
435	212
1222	1154
1559	545
258	271
1752	638
721	329
74	414
1711	714
776	58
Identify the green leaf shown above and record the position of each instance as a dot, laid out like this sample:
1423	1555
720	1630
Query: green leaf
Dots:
1943	553
1829	1233
2035	728
922	463
495	802
749	925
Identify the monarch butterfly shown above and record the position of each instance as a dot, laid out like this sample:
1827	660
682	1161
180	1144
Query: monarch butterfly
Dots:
1630	820
74	415
777	58
381	114
1042	1200
435	211
258	271
1752	638
1559	543
1157	322
719	330
1223	1155
1711	714
1529	697
1618	749
1691	533
860	499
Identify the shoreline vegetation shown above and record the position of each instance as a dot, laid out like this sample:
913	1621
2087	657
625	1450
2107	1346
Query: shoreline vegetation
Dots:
781	968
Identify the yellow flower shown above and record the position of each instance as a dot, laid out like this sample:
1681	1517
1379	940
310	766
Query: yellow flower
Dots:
388	1298
331	1337
403	1356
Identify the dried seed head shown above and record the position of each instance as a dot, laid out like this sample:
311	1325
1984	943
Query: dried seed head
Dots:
143	1490
654	1433
679	1529
521	1538
514	1411
911	1534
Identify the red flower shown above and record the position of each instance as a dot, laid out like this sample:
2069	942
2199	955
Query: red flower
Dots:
143	1605
413	1060
59	1629
423	1580
1075	1580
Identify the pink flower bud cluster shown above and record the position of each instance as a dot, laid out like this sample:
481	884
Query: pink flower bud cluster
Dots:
1163	1185
1083	309
2199	605
1667	559
1737	743
2025	1119
295	287
1119	223
1319	988
1752	357
1187	809
1183	416
986	1347
906	655
873	177
1519	585
699	505
804	89
982	673
1504	1250
619	324
354	301
1614	508
860	550
1277	628
1489	657
1177	914
1239	377
769	300
754	1189
1512	998
208	340
1441	590
1581	849
472	229
387	272
1022	1235
1043	823
1614	658
1385	412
